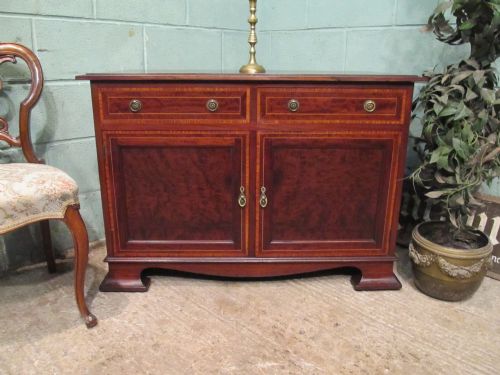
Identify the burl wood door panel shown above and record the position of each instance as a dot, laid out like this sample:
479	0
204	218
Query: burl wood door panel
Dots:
177	194
328	194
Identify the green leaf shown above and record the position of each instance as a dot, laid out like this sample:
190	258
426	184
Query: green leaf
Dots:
448	111
437	108
441	153
462	113
488	95
467	134
483	115
435	156
461	76
443	99
444	78
492	138
478	75
458	180
453	218
436	194
461	148
458	88
449	136
471	95
467	25
443	162
427	132
473	63
439	178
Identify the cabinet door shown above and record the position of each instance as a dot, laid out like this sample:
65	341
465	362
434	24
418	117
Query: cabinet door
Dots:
328	194
176	194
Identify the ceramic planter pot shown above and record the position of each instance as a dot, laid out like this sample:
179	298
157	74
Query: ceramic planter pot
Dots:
447	273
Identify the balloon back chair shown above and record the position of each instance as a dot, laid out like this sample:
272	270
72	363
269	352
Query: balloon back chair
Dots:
34	192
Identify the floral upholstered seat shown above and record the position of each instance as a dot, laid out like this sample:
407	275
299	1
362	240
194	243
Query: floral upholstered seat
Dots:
33	192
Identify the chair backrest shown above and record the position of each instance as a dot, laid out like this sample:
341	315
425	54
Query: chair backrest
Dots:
8	53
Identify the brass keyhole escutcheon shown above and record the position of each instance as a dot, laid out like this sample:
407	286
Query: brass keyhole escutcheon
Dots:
369	106
212	105
242	199
135	105
293	105
263	197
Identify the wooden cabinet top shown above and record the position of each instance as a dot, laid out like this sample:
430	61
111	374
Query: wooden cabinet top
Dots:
266	77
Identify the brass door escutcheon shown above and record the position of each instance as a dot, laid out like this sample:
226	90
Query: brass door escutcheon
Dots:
212	105
135	105
370	106
293	105
263	197
242	199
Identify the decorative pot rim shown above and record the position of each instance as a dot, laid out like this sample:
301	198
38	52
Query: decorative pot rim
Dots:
450	251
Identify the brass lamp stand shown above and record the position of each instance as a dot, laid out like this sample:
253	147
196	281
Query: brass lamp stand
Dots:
252	67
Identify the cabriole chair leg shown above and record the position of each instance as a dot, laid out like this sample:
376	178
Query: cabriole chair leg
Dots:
77	228
47	246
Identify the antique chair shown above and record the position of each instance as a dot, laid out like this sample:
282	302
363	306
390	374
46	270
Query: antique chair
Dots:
34	192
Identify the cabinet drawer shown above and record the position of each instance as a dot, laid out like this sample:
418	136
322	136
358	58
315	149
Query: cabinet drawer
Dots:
339	104
205	104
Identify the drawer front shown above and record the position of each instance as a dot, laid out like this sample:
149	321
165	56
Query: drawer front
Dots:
174	104
339	104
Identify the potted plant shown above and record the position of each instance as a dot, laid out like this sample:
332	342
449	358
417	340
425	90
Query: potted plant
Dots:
459	150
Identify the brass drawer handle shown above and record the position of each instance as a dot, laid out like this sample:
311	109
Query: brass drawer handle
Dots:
263	197
135	105
293	105
370	106
212	105
242	199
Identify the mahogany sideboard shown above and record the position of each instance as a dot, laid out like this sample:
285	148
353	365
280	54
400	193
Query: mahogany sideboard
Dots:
250	175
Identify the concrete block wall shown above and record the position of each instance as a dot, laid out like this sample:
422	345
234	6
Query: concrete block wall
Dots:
78	36
382	36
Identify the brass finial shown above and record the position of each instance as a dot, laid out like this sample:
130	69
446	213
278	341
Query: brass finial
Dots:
252	66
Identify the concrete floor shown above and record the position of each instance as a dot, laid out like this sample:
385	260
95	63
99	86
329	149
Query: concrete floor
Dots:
312	325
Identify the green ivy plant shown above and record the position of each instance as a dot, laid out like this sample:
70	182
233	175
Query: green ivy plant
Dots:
460	145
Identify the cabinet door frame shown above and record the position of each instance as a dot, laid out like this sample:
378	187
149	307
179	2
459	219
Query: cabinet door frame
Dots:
387	214
115	186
